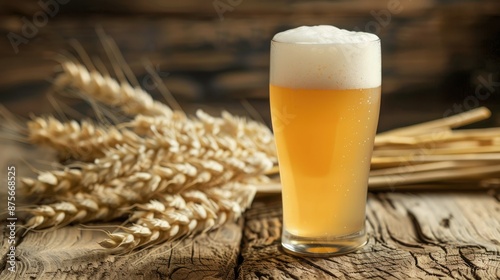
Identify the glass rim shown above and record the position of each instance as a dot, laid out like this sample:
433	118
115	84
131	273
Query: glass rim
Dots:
325	44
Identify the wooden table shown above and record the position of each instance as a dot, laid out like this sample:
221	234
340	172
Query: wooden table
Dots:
419	235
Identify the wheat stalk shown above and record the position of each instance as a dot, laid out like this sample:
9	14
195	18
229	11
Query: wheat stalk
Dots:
87	141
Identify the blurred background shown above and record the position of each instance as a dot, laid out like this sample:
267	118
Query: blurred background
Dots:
440	57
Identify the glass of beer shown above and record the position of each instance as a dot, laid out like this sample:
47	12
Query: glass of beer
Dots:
325	98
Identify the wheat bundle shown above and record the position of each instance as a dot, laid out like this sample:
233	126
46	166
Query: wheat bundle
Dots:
170	175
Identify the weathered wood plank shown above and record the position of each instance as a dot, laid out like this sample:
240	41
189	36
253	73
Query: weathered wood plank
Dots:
416	236
73	253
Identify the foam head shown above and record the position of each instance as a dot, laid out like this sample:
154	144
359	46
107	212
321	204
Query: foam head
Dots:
325	57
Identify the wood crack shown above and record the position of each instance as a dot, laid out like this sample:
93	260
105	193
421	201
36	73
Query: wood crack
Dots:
311	263
386	272
470	264
240	259
418	230
417	265
445	269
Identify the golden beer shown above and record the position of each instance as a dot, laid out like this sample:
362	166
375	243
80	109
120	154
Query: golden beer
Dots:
324	124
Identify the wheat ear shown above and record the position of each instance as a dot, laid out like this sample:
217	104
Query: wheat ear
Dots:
102	203
83	141
176	216
132	101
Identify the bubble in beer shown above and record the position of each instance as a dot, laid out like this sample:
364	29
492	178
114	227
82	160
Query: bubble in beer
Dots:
346	59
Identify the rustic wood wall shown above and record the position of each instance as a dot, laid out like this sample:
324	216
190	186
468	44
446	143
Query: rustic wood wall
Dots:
219	49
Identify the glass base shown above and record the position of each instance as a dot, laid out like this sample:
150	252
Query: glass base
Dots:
322	246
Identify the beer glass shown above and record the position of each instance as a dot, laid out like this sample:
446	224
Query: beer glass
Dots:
325	97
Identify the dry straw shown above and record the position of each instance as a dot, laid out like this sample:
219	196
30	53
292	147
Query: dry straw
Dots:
435	152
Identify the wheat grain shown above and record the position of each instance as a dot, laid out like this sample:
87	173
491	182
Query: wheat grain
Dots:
52	183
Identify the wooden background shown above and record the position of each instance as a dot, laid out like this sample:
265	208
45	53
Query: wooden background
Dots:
435	52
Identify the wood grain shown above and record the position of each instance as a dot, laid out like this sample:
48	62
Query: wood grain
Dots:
73	253
415	236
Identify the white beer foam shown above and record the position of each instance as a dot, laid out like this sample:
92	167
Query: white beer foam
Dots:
325	57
